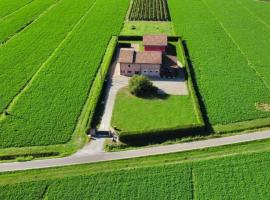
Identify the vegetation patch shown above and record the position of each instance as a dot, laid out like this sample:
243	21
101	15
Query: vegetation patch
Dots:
141	28
149	10
265	107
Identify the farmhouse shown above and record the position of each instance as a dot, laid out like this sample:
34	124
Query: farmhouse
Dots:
155	42
146	63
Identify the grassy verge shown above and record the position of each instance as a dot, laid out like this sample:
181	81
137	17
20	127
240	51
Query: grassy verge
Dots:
194	172
141	28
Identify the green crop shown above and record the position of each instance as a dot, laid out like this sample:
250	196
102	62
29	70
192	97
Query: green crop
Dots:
23	56
9	6
228	84
47	111
18	21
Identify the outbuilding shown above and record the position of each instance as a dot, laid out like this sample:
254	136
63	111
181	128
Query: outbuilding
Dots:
155	42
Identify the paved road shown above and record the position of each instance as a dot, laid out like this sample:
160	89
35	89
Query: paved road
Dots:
91	157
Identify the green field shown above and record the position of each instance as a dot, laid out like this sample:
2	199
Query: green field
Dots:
45	112
228	42
229	172
18	21
134	114
7	7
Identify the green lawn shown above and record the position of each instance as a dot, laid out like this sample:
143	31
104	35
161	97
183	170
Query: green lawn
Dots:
142	28
132	113
229	172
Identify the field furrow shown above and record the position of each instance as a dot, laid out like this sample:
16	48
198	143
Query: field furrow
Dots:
259	8
46	112
18	21
8	7
23	55
223	75
248	32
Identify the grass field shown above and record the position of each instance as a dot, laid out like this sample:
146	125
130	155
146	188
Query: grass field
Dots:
149	10
229	172
46	112
132	113
142	28
228	46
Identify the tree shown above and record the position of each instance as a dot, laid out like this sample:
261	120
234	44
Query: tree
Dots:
141	86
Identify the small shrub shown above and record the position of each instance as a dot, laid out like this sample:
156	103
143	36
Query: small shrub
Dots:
140	86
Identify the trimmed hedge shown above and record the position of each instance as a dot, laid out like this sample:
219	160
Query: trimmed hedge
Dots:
180	131
96	88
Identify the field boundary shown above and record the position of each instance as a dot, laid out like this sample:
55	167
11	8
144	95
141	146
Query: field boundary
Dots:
101	157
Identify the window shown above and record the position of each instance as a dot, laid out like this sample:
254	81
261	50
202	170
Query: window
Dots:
128	65
129	72
137	72
150	71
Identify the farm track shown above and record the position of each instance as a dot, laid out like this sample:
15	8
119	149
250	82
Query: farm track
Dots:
253	67
27	25
28	83
4	17
30	80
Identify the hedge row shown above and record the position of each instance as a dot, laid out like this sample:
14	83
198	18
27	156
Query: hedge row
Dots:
180	131
95	92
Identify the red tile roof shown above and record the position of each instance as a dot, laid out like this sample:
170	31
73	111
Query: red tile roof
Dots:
155	40
126	55
149	57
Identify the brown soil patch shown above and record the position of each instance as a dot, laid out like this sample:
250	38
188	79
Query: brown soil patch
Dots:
265	107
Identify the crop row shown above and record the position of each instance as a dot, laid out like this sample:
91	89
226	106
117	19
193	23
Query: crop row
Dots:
22	56
231	177
251	36
47	111
9	6
225	80
17	21
149	10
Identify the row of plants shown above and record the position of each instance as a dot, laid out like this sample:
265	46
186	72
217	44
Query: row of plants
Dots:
149	10
256	50
25	54
9	6
170	176
226	81
16	22
47	112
